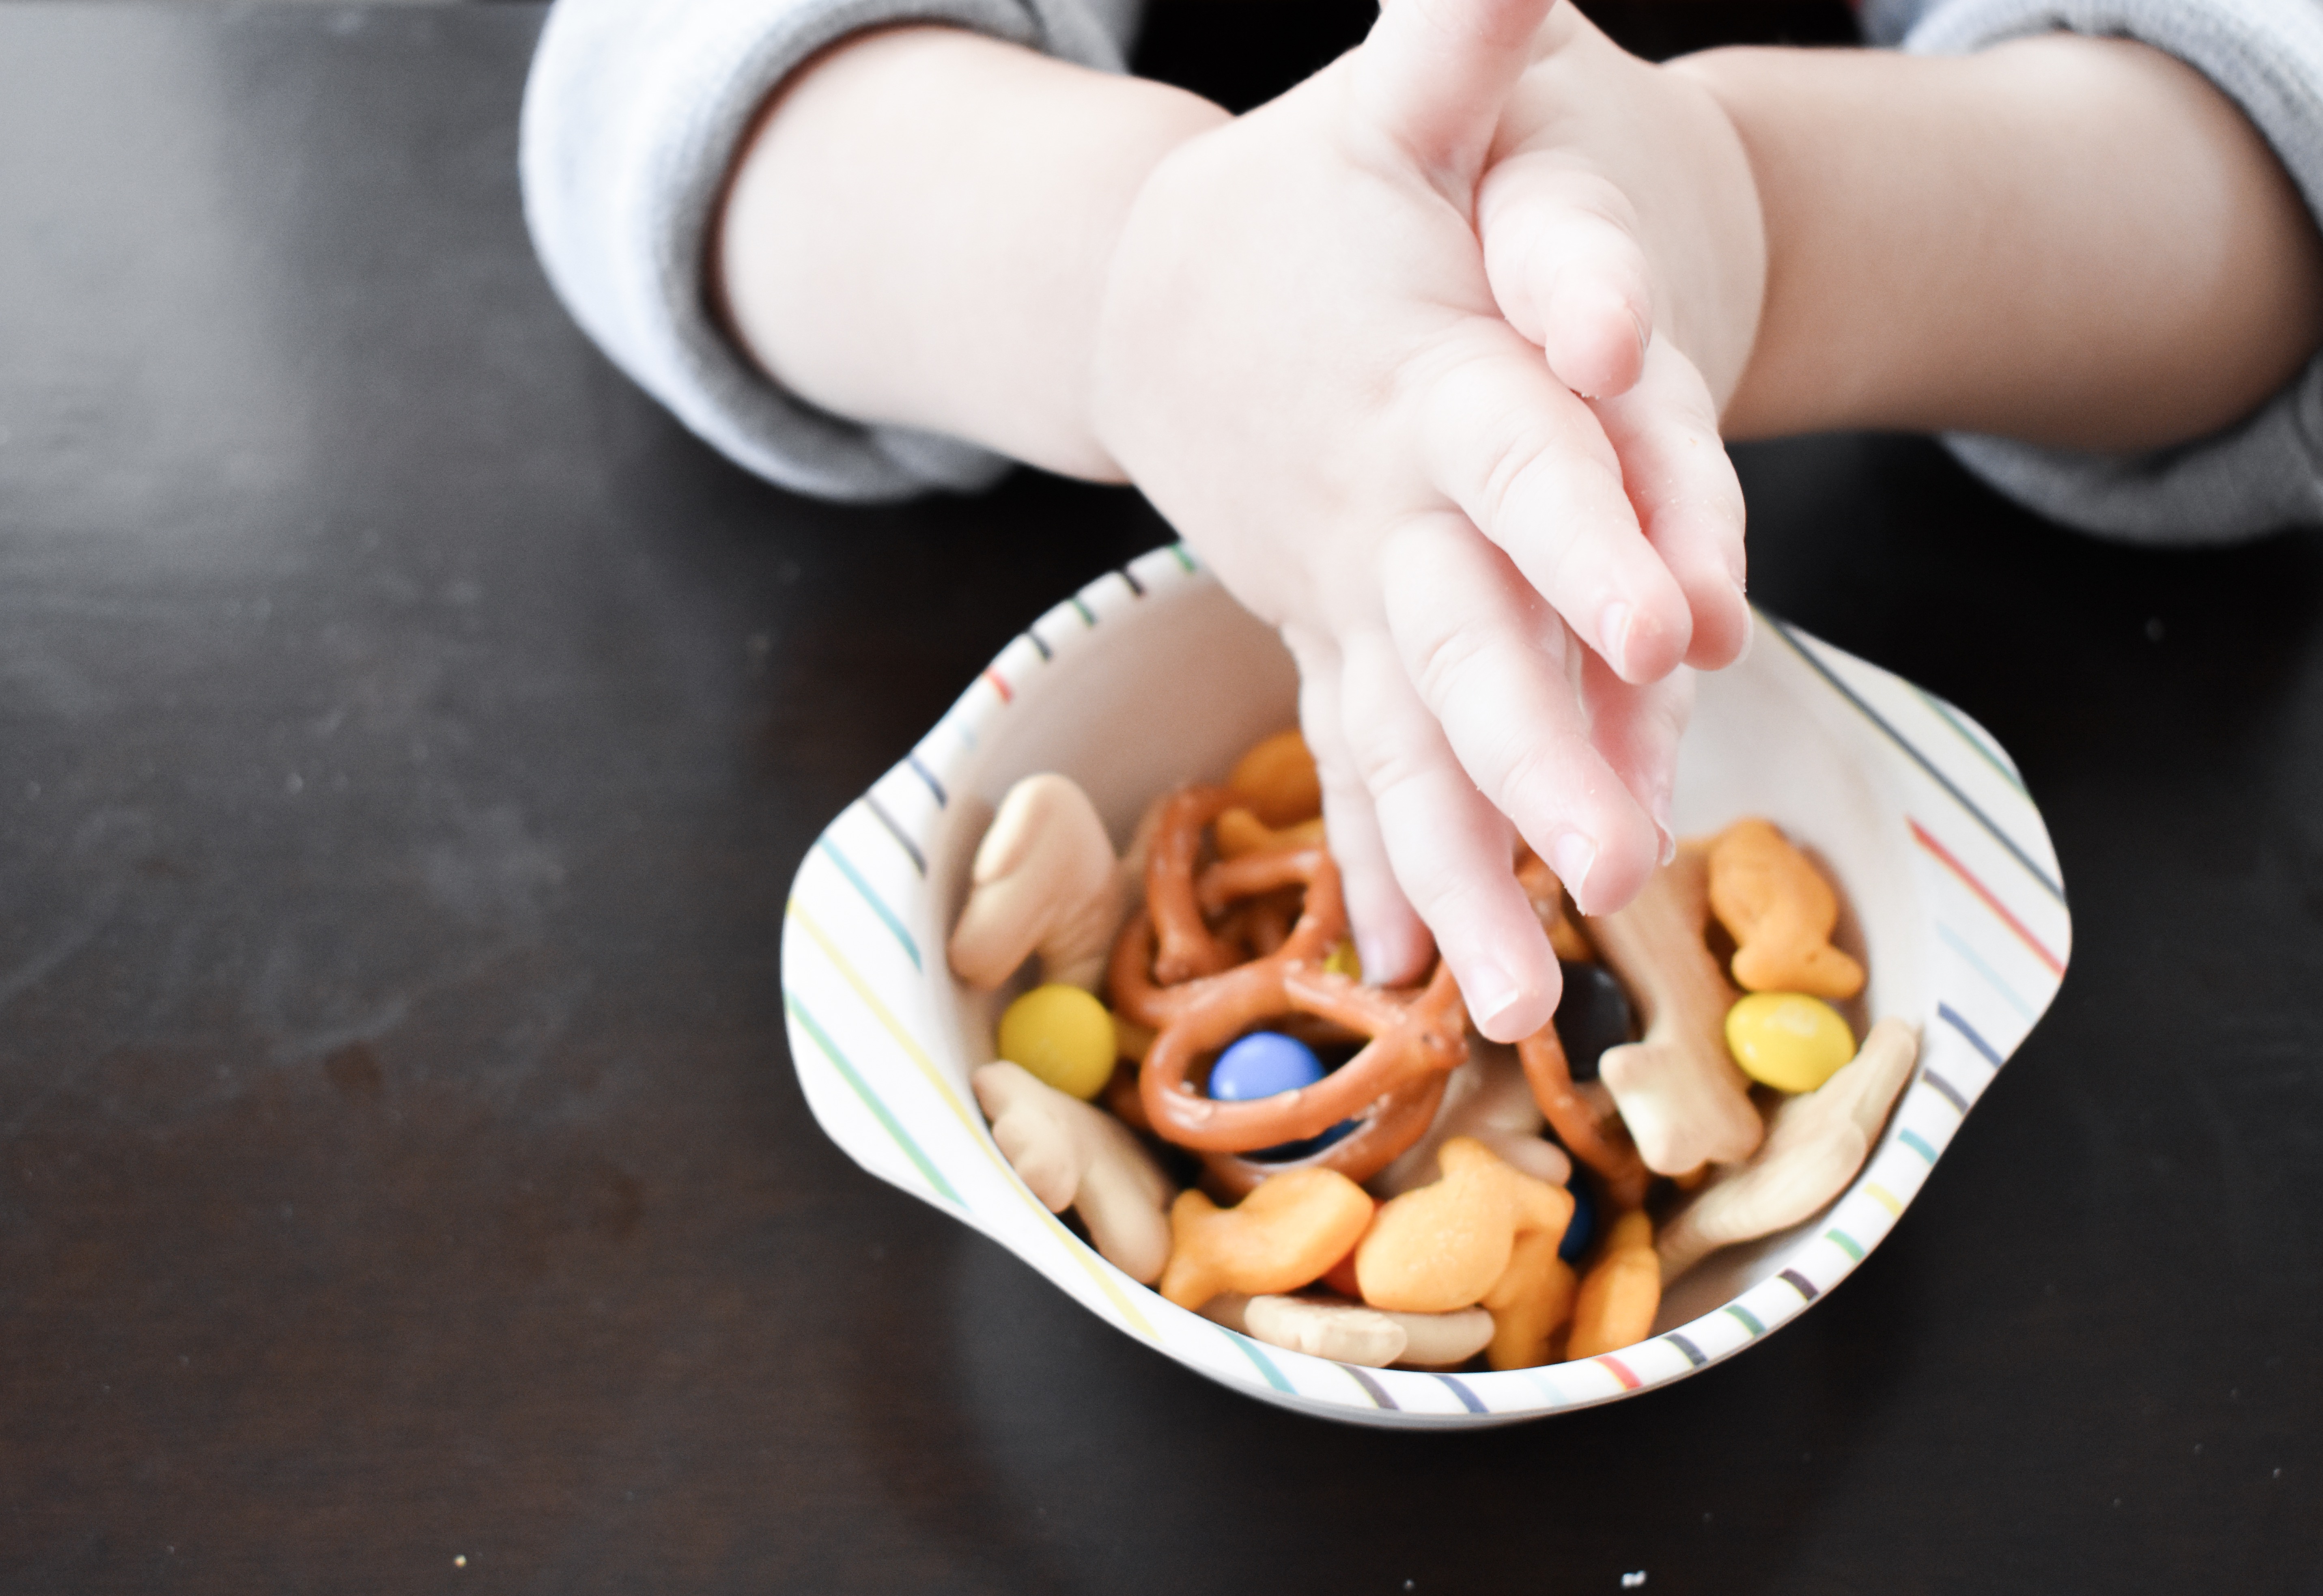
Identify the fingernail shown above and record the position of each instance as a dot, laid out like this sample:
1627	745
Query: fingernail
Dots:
1662	825
1614	626
1489	993
1572	856
1371	953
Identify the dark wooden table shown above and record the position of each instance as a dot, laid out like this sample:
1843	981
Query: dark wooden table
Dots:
406	736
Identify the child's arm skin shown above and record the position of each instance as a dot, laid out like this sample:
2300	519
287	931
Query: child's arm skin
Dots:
2072	241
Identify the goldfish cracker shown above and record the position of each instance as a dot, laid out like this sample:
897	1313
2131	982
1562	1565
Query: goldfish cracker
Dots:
1787	1039
1441	1247
1063	1036
1622	1292
1780	912
1532	1297
1276	780
1279	1238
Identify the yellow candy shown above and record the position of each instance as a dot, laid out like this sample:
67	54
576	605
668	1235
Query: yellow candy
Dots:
1342	960
1062	1035
1787	1039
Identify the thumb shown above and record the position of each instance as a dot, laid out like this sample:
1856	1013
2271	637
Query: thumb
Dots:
1433	74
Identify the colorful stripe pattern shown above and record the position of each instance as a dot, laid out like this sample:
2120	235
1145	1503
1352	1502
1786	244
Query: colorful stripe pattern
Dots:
871	1008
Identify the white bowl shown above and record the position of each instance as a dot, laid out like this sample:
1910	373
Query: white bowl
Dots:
1152	676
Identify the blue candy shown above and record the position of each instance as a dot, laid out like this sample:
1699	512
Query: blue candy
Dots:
1263	1064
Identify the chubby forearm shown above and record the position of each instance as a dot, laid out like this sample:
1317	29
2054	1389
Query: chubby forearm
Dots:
918	232
2072	241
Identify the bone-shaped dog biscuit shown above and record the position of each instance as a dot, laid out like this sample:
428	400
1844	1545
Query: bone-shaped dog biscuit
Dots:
1780	912
1074	1155
1351	1333
1044	880
1685	1102
1815	1142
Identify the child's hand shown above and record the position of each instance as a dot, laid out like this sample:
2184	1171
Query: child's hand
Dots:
1622	232
1301	360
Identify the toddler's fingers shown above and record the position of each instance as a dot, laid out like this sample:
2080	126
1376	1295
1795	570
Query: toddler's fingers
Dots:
1530	465
1450	847
1682	483
1562	255
1637	730
1390	939
1494	666
1432	77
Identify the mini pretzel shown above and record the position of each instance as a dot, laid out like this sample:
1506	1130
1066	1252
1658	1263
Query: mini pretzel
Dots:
1416	1040
1546	896
1393	1086
1185	946
1596	1137
1168	941
1780	912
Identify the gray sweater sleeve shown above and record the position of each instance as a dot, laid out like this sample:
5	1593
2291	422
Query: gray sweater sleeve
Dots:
632	117
2266	471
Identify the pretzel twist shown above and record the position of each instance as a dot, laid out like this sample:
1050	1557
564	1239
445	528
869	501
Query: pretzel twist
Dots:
1166	972
1595	1135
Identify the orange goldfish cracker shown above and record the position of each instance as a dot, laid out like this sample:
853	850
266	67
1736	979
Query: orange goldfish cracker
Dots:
1276	780
1442	1246
1281	1237
1532	1297
1622	1292
1780	912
